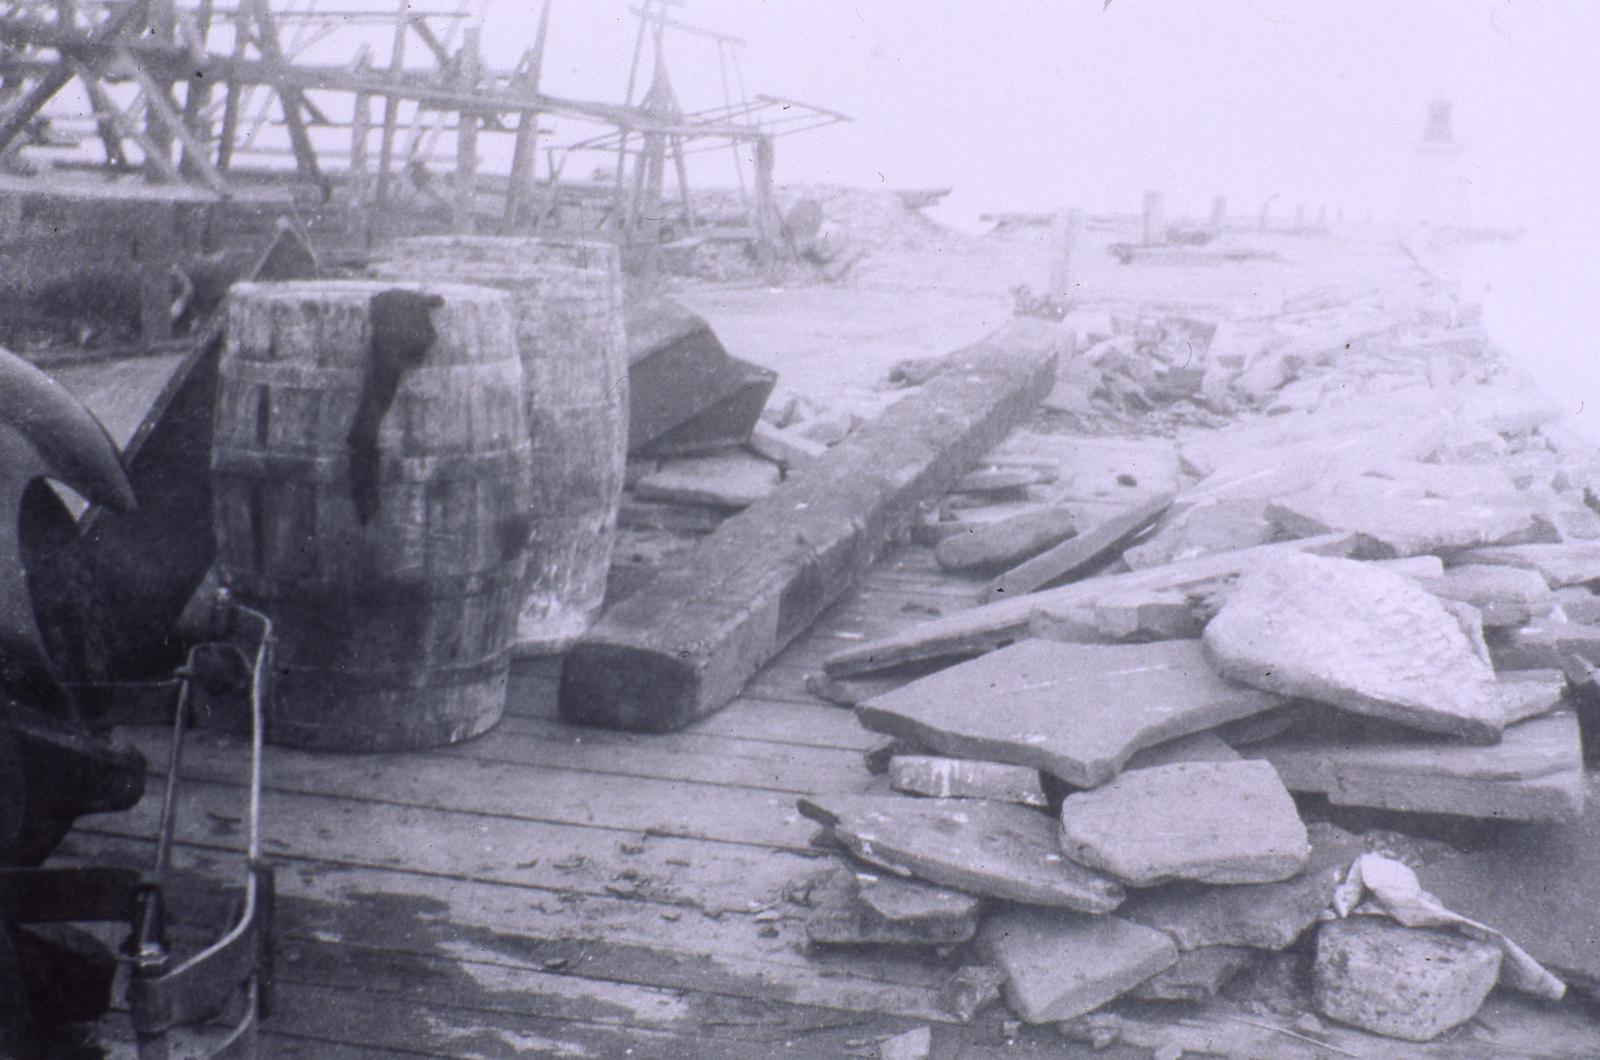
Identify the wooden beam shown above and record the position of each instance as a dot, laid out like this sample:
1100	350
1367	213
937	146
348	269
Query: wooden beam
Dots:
289	97
525	154
685	643
391	106
165	115
53	81
128	127
466	190
1079	554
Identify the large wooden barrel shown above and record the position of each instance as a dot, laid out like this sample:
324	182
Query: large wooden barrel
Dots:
567	298
390	556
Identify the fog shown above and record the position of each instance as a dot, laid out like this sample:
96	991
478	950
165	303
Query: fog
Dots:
1032	104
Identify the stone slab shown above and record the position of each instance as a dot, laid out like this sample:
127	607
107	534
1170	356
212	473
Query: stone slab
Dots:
782	447
1197	975
1403	524
1505	596
1216	822
986	547
1535	773
1567	563
1079	553
1076	711
1199	747
1216	526
985	848
1408	983
1265	916
1065	613
839	918
1060	965
962	778
1536	884
724	480
1363	639
905	901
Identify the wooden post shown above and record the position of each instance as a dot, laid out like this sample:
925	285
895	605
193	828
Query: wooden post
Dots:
391	105
232	101
197	96
360	131
766	209
467	137
525	155
1155	224
683	183
162	28
1064	228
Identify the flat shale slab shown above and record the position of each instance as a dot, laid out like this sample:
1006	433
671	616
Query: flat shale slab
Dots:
1265	916
1215	822
1403	524
987	848
1197	975
964	778
1568	563
1077	711
1060	965
1535	772
1358	637
985	547
683	644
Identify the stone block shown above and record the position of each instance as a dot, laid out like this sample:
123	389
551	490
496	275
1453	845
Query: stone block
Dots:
1060	965
1216	822
1409	983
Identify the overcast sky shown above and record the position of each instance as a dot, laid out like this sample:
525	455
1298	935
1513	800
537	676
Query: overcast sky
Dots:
1021	104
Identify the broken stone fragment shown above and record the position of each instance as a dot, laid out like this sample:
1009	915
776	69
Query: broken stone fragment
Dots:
914	1044
973	845
725	480
1218	526
1266	916
988	547
784	448
1198	974
900	900
970	989
1535	773
1401	521
1200	747
1410	983
839	917
961	778
1216	822
1358	637
1076	711
1060	965
1568	563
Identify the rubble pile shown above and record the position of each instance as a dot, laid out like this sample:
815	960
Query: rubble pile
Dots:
854	223
1178	752
1158	373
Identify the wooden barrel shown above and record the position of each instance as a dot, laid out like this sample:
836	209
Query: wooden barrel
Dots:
567	299
370	475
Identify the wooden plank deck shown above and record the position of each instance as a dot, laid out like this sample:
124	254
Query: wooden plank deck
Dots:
551	889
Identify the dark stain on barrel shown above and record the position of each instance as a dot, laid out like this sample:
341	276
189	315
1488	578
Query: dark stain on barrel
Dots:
402	332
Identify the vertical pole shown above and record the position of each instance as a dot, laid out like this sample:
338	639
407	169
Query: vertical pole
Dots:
682	167
1155	224
391	105
232	102
360	132
766	162
525	155
621	210
1064	228
197	97
1219	212
467	136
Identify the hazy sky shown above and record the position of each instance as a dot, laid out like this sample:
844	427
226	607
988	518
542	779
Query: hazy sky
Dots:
1023	104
